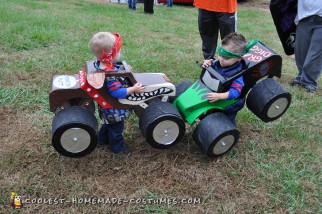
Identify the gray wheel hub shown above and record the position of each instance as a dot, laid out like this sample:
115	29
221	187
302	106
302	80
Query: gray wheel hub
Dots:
223	144
75	140
277	107
166	132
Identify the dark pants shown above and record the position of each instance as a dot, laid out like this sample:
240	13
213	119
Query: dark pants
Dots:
112	134
231	111
132	4
308	50
148	6
210	23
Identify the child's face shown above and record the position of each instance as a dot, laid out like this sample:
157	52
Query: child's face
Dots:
226	62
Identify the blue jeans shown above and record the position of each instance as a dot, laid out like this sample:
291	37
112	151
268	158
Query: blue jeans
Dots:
112	134
132	4
169	3
231	111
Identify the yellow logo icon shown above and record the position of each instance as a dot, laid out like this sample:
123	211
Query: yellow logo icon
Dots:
16	200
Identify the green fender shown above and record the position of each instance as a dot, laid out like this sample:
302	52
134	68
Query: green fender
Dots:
194	102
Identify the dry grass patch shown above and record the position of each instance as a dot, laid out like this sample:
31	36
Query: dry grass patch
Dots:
182	172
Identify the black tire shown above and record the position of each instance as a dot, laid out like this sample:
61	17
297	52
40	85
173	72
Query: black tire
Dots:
180	88
268	100
161	125
215	135
74	132
138	110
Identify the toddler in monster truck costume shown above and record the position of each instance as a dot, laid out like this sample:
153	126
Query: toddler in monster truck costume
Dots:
106	47
230	52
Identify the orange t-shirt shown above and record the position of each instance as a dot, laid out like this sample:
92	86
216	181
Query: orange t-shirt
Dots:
225	6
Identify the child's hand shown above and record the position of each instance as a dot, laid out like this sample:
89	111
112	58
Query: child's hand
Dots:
137	88
212	97
207	62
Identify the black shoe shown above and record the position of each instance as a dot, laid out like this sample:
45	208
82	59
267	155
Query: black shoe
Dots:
310	89
296	83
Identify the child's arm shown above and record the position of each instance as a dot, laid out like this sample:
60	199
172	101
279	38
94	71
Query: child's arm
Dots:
116	89
212	97
233	92
236	88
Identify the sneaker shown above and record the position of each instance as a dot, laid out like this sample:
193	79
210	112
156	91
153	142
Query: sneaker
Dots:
296	82
310	89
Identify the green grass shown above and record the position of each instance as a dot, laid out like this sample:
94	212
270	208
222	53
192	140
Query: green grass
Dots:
274	168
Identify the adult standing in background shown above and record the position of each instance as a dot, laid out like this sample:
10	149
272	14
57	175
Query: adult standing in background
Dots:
215	16
148	6
308	44
132	4
169	3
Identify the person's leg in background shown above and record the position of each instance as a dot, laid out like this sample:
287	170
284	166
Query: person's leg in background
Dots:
227	23
129	2
302	43
169	3
308	52
148	6
132	4
208	29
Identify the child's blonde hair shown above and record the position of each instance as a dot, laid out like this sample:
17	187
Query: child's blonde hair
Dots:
101	41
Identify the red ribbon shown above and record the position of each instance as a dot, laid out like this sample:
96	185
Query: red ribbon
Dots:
107	57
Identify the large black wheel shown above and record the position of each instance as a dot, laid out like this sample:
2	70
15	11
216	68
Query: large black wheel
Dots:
138	110
161	125
180	88
215	135
268	100
74	132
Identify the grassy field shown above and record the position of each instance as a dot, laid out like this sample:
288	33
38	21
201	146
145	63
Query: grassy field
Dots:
274	168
